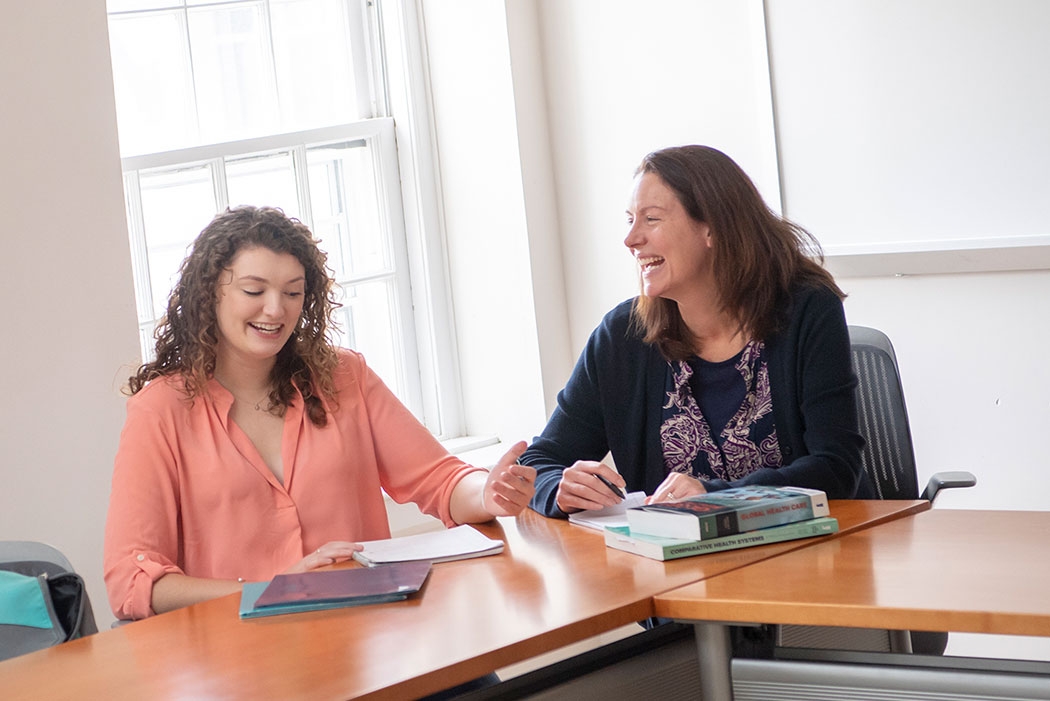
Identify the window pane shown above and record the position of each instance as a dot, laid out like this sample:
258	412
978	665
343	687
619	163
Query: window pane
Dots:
264	181
176	206
236	93
314	64
152	82
130	5
345	204
369	323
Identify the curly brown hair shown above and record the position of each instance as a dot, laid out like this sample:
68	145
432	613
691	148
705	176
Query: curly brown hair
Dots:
758	255
187	335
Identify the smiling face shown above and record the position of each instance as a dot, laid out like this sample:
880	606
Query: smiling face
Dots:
672	249
260	298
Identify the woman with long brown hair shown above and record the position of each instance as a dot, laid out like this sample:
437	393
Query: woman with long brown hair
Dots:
731	368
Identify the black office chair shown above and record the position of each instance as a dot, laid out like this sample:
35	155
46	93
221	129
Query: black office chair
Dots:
889	461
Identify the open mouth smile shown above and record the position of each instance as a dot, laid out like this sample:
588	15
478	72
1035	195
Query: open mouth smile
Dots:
649	263
268	329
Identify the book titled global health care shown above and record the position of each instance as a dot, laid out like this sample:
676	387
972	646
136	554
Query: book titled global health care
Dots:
659	548
728	512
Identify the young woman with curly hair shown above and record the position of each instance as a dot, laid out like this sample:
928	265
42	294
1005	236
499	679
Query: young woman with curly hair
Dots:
252	446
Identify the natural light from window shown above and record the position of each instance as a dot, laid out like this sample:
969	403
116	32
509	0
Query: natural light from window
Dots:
267	102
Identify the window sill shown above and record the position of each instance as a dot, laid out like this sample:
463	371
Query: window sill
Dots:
406	519
482	451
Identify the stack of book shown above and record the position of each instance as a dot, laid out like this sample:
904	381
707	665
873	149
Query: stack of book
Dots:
733	518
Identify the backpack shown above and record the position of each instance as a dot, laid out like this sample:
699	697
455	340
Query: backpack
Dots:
41	604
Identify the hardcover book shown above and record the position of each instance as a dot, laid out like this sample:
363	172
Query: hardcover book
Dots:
316	591
658	548
727	512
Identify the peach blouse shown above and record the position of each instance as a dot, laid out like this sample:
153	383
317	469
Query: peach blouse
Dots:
191	494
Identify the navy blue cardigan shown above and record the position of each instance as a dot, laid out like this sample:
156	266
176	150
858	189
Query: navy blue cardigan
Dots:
613	402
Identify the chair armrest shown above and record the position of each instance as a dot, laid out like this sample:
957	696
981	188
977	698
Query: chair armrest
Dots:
947	480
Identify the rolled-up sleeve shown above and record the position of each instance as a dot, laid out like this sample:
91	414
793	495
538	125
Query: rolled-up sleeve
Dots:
142	539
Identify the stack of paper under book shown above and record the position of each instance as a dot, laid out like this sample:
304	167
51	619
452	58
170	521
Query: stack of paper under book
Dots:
732	518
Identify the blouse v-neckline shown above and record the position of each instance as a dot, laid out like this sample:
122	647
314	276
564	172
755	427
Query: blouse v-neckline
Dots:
223	401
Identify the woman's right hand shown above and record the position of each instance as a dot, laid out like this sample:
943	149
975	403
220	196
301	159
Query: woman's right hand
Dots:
328	554
580	489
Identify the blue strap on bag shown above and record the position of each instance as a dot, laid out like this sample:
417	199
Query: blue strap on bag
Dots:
28	621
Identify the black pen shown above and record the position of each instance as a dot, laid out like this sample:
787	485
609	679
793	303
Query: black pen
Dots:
615	490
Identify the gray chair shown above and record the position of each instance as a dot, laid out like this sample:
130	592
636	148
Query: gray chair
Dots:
69	599
889	457
889	462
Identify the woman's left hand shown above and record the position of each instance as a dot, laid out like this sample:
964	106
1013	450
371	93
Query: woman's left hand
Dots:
328	554
676	486
509	486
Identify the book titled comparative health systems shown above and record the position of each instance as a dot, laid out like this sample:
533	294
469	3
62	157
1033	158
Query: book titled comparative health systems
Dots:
660	548
728	512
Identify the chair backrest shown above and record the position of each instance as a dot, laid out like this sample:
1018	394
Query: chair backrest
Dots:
888	457
58	589
43	556
889	462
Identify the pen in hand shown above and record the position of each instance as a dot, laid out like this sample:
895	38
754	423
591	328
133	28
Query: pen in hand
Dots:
617	491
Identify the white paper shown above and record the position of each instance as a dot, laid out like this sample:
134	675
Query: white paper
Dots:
615	515
437	546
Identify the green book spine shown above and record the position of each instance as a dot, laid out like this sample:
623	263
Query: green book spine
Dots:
658	548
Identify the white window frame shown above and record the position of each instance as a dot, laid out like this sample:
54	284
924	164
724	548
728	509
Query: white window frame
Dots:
404	146
407	81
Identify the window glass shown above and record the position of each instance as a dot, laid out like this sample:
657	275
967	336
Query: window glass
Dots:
269	103
368	321
152	82
346	207
313	63
232	72
176	205
267	180
130	5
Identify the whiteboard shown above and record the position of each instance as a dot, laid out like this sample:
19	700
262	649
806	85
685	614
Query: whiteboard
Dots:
908	128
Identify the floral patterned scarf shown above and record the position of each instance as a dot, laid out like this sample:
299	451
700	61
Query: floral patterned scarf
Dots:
746	443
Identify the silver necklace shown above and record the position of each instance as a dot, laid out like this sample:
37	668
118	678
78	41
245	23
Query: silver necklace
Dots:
257	405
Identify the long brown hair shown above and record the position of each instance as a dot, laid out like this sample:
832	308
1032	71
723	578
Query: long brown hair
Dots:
187	335
758	256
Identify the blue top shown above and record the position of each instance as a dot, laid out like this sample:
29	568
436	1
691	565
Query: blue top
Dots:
719	390
613	402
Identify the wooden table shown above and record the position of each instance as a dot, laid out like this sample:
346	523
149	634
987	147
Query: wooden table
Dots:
943	570
555	584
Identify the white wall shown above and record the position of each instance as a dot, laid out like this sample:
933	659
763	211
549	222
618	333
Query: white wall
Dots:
971	352
909	124
486	217
626	80
68	306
